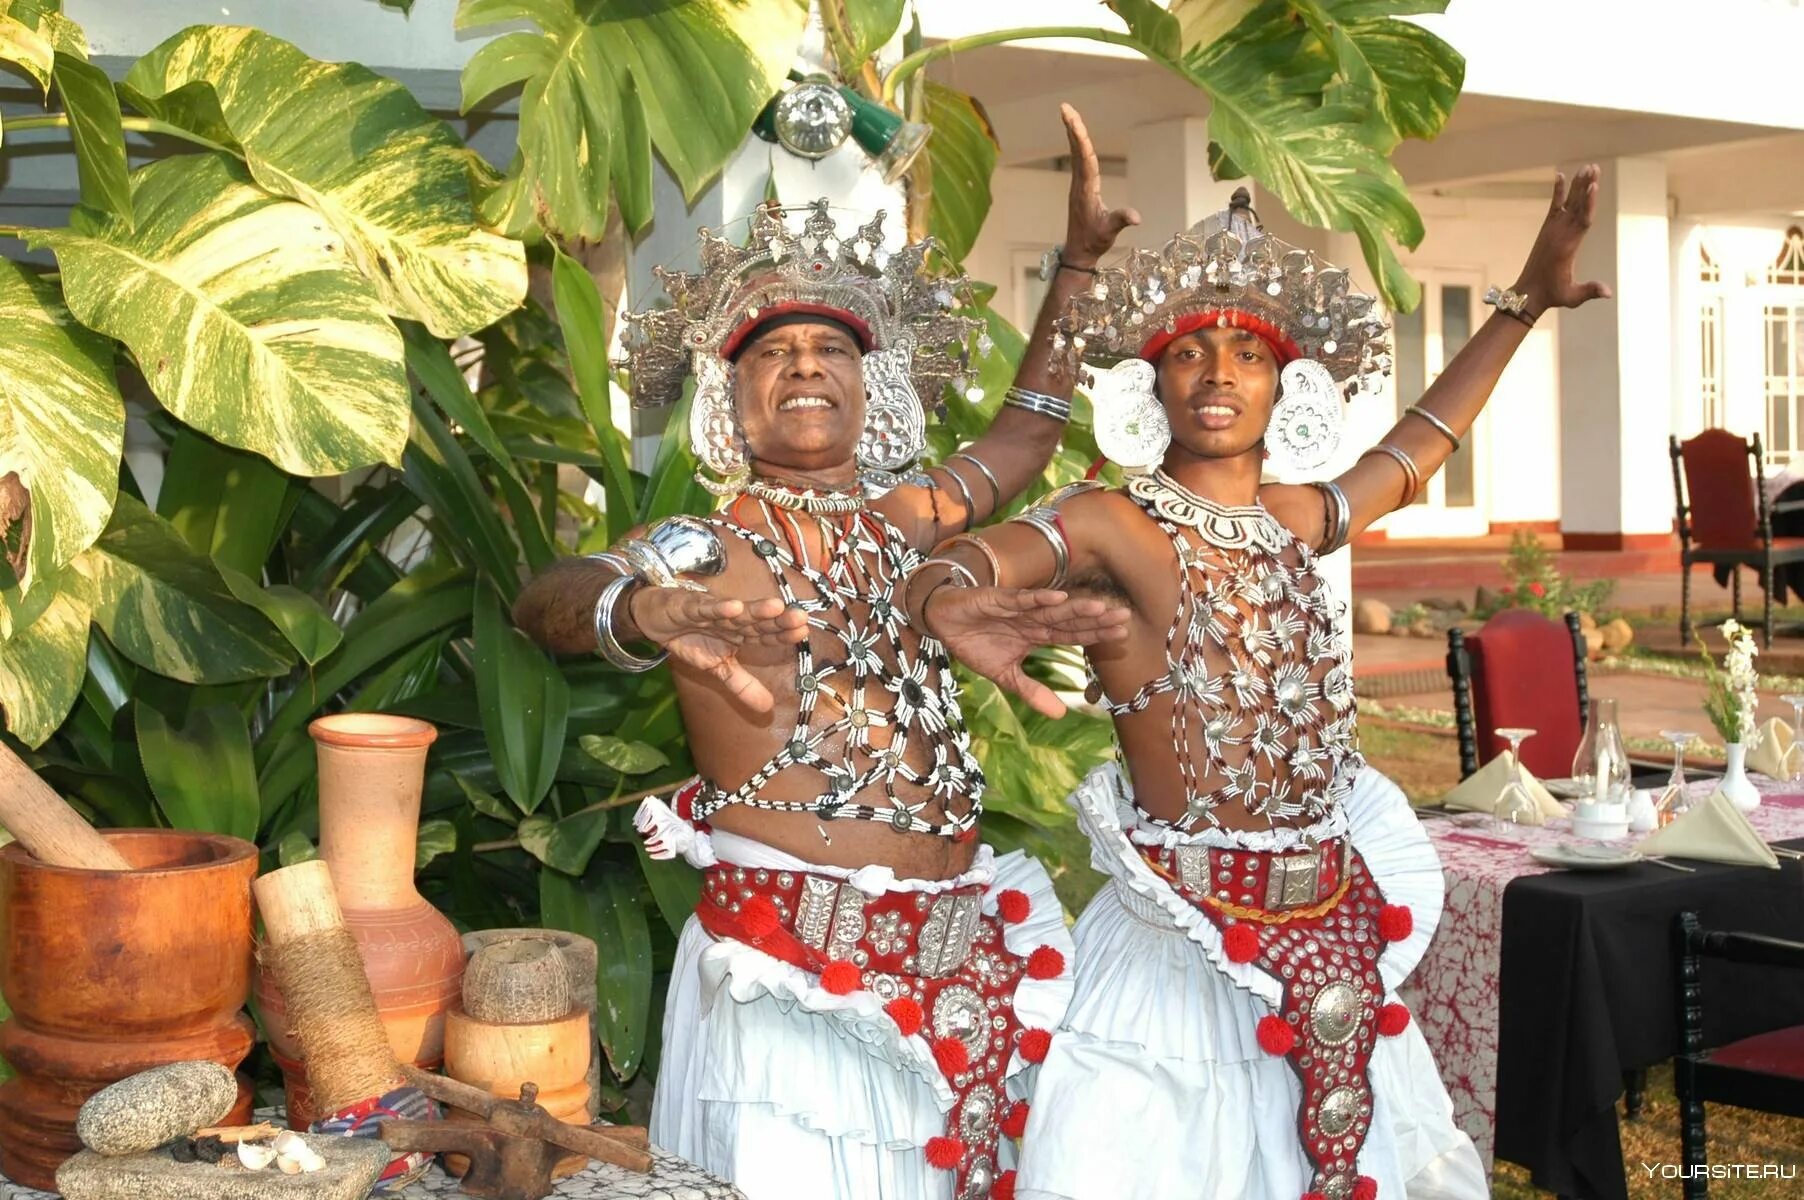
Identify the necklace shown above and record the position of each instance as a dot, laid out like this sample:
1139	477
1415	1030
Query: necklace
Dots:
1229	526
805	499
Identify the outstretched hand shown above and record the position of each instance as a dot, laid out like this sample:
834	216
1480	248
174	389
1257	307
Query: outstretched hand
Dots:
992	630
706	632
1091	226
1546	278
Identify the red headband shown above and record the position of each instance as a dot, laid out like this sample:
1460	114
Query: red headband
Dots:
751	325
1281	346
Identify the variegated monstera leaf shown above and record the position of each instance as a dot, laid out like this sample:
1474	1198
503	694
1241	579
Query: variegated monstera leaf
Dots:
390	178
606	81
246	316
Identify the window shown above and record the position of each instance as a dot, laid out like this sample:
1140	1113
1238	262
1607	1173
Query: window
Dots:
1784	314
1710	341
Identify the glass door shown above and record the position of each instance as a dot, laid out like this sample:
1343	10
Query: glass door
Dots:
1450	503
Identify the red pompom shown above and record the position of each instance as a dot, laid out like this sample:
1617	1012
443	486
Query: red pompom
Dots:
1004	1187
1393	1019
1034	1045
759	917
1275	1035
1395	922
1241	942
1013	906
952	1056
1315	1196
1045	963
841	978
1365	1188
906	1014
1014	1122
945	1153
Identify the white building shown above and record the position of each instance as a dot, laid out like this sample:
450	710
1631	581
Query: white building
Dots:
1698	121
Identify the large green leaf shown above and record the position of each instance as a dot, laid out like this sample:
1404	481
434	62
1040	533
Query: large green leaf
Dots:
41	668
22	44
226	503
602	78
248	321
62	424
1202	22
94	126
579	310
201	772
867	24
389	178
566	845
166	608
525	704
604	905
963	160
1403	76
299	616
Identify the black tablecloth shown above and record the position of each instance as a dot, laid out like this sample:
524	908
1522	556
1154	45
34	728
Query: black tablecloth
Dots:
1587	992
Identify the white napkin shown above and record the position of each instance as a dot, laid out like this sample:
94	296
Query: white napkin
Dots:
1479	791
1714	831
1771	754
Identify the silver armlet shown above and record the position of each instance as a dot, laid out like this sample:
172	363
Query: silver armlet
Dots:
1046	521
1441	427
989	477
1337	517
674	547
605	638
1038	403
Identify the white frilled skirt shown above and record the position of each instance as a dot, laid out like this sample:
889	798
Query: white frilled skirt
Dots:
795	1093
1156	1086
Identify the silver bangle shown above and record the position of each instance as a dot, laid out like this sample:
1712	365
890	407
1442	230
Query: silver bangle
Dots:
983	548
1441	427
1412	474
970	503
989	477
1046	522
675	547
606	639
1038	403
1338	516
958	569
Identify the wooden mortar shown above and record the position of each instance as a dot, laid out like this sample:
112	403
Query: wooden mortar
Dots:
499	1057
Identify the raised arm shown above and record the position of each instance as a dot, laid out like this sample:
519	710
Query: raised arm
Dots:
1388	476
986	475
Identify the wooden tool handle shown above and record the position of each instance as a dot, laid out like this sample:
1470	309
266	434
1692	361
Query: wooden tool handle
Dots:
297	901
435	1137
43	823
449	1091
621	1145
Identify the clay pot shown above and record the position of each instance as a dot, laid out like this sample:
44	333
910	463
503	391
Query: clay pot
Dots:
109	973
498	1058
371	770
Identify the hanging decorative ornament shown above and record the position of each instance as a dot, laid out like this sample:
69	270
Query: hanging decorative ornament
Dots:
1130	424
812	119
1306	424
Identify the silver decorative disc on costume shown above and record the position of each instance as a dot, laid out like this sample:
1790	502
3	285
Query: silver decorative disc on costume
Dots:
895	427
1131	428
959	1013
1338	1111
1306	424
812	119
1335	1014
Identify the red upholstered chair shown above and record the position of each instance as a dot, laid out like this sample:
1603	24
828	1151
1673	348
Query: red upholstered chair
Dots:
1724	511
1521	669
1764	1072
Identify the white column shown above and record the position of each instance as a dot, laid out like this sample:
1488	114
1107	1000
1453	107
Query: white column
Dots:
1169	181
1616	367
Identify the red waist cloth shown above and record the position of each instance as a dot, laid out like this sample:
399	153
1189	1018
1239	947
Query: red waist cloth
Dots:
937	962
1315	922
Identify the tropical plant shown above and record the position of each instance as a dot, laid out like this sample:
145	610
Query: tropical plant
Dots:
369	434
1537	583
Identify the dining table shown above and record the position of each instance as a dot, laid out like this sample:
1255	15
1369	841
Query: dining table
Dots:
1543	986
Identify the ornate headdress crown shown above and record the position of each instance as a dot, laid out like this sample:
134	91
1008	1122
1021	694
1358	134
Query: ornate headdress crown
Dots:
903	298
1228	270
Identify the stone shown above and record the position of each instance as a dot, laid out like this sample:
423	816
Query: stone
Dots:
1371	616
1445	604
143	1111
1484	601
1594	642
352	1166
1618	636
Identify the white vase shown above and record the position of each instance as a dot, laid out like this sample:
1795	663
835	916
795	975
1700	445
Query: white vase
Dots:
1736	785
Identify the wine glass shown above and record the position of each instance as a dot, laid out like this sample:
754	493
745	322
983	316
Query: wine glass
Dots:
1674	799
1514	804
1795	766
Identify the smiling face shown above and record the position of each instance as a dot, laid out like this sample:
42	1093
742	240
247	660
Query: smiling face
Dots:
800	394
1218	386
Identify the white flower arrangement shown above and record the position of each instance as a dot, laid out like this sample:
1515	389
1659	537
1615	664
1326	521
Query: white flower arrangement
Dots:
1731	702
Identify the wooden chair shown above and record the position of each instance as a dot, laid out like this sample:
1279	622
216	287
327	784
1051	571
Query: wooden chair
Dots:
1517	670
1764	1072
1727	515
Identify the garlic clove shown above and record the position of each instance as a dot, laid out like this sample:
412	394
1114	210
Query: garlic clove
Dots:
294	1155
254	1157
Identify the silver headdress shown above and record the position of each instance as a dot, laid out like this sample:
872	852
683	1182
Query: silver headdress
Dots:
903	303
1227	271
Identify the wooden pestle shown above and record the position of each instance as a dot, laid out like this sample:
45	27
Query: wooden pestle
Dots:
43	823
307	945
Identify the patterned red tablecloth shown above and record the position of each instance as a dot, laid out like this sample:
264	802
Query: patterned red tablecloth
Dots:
1453	993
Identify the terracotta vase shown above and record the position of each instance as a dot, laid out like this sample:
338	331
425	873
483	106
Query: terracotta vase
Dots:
371	770
109	973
